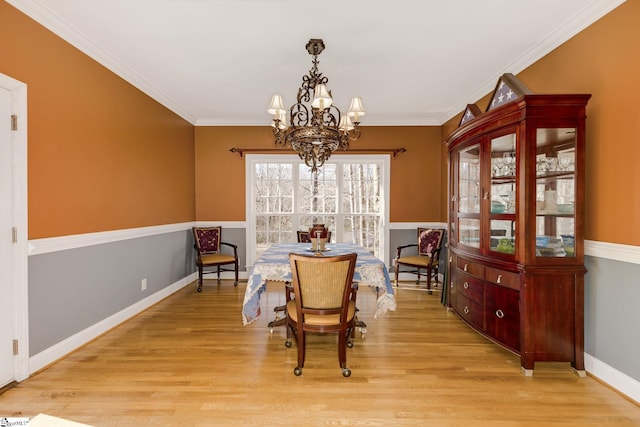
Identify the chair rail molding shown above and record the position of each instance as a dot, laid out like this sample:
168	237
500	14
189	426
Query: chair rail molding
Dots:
72	241
614	251
415	225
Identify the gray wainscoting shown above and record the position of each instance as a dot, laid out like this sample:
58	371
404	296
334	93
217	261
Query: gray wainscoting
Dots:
612	317
70	290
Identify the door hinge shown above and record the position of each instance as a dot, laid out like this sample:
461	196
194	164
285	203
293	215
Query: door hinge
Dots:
15	347
14	122
14	235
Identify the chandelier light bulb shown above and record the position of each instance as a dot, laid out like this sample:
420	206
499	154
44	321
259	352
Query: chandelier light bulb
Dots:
277	106
356	110
345	123
321	97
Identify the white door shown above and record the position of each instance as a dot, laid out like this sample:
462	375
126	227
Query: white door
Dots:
6	246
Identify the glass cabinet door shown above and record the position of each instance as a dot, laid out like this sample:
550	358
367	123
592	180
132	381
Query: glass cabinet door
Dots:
469	196
555	192
502	195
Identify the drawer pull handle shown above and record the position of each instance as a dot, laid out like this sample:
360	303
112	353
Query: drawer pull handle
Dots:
450	259
466	310
465	267
499	278
451	285
486	195
466	285
499	314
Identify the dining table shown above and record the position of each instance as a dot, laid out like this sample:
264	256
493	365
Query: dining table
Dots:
273	265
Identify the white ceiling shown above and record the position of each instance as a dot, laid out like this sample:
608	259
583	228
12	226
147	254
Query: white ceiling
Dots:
413	62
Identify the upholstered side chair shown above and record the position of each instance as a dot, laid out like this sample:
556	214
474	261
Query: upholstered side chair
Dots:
425	261
209	255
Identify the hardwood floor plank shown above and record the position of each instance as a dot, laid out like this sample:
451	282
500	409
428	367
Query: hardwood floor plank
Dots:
189	361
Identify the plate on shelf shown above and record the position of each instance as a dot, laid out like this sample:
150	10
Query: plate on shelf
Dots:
565	208
552	212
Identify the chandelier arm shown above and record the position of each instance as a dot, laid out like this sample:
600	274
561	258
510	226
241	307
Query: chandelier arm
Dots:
299	115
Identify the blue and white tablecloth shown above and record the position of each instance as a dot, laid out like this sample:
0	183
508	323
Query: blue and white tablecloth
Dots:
274	265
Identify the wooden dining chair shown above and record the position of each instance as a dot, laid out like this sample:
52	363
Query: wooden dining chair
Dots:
324	302
305	236
281	310
209	254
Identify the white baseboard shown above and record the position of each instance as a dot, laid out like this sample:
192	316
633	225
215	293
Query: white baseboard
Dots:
66	346
614	378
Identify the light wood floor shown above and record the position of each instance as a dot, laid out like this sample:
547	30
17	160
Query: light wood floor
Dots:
189	361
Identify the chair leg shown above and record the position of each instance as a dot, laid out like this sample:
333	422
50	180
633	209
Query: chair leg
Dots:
302	343
282	310
343	336
397	269
290	332
278	321
236	271
218	274
200	278
358	324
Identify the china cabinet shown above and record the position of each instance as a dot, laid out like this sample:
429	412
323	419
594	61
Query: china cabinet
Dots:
516	218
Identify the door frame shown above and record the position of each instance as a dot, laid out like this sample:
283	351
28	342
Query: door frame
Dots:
19	279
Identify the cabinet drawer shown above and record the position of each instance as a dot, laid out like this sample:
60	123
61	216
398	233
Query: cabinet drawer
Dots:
469	286
469	310
504	278
470	267
502	315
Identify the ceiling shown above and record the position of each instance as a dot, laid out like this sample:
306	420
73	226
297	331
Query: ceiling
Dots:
218	62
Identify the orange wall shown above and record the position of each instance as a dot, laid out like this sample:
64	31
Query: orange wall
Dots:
416	186
101	154
602	60
104	156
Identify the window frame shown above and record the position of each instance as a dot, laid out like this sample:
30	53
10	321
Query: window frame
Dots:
253	159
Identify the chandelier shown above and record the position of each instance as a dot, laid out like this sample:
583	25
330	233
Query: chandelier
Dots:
317	127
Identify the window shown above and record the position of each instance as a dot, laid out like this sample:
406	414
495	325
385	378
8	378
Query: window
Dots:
349	194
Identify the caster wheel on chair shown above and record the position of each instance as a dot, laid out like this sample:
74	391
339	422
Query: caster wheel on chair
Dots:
199	289
350	344
287	344
346	372
297	371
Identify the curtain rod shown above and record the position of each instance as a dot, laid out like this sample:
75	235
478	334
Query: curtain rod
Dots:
393	151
